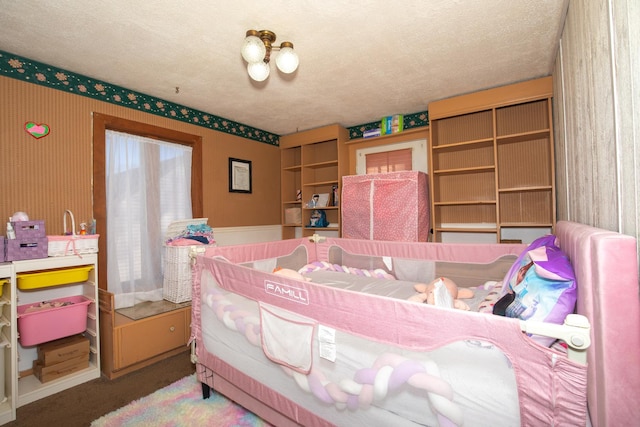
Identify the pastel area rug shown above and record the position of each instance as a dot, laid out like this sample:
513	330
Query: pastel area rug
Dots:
181	404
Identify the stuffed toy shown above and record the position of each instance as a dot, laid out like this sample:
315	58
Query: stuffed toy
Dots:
318	218
442	292
287	272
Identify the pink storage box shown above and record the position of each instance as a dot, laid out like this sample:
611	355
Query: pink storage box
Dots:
28	229
390	206
50	324
26	248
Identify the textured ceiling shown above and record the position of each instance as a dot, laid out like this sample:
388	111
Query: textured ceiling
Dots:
359	60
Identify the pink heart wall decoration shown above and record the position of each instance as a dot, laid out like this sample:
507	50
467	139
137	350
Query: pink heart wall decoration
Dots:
36	130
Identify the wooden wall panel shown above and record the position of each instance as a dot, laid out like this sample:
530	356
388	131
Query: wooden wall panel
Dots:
43	177
595	107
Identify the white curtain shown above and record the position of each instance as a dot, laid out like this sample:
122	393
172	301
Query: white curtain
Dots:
148	187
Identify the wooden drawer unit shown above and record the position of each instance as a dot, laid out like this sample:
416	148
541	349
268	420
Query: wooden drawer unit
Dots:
159	332
149	337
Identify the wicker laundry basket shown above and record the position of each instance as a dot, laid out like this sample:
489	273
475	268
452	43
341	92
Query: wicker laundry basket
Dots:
176	286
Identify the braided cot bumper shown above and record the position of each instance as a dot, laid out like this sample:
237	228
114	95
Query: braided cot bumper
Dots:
327	266
367	386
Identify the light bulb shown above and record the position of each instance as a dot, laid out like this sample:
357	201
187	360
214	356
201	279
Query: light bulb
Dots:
287	60
258	71
253	49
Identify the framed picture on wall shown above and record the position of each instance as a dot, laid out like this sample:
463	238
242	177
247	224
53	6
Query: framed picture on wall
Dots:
239	176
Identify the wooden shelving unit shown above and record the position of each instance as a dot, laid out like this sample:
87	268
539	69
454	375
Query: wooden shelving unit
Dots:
7	337
312	162
27	387
491	162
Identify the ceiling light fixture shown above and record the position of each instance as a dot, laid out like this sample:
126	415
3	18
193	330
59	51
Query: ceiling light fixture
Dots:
256	50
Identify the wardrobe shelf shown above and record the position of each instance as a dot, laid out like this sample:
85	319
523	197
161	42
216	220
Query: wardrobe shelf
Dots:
523	137
319	183
467	229
321	164
496	144
526	224
466	202
525	189
488	168
463	145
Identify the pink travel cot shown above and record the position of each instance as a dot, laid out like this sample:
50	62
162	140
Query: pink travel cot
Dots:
297	352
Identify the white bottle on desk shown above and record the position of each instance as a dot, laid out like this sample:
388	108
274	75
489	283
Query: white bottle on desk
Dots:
11	234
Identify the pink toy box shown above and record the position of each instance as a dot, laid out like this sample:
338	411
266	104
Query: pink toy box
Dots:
391	206
48	324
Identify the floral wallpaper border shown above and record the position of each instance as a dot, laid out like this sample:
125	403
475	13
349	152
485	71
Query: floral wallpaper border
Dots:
20	68
411	121
35	72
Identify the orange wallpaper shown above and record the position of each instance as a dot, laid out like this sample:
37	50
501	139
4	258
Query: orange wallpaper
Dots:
45	176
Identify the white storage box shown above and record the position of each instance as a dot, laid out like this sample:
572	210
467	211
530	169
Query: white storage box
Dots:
177	263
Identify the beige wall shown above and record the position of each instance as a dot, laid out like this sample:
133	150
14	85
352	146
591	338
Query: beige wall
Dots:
43	177
597	115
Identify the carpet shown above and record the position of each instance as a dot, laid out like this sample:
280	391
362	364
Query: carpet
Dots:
181	404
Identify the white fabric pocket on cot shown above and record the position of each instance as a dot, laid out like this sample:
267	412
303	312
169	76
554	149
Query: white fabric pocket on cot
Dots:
287	338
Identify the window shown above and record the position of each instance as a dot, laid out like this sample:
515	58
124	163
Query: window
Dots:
139	210
389	161
411	155
147	188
